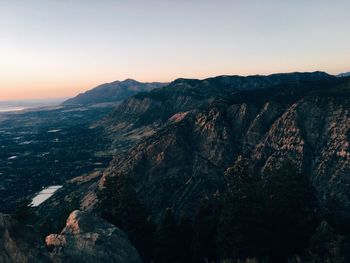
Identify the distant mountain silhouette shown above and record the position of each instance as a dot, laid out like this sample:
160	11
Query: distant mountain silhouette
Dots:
112	92
342	75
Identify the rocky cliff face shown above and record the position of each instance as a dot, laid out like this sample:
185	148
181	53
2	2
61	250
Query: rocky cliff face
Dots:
158	105
145	113
184	161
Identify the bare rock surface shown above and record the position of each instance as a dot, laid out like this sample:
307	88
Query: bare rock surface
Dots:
87	238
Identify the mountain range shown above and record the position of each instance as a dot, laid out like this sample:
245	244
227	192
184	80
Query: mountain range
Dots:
173	143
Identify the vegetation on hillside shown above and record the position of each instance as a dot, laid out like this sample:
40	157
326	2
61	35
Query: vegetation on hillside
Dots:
272	217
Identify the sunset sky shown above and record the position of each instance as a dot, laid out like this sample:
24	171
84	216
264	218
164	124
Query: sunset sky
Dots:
58	48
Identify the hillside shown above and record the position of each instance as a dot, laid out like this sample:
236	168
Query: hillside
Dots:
184	161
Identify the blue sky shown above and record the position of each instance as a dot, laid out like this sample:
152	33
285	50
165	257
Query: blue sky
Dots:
57	48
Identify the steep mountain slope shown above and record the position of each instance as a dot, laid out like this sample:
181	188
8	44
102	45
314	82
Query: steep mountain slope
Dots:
112	92
184	162
143	114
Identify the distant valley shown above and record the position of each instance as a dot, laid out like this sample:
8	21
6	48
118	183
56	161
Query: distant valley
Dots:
45	142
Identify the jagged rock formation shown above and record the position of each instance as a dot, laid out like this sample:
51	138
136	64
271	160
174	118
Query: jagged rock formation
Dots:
158	105
143	114
307	121
112	92
90	239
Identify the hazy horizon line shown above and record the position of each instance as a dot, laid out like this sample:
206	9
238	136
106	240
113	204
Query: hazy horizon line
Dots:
33	99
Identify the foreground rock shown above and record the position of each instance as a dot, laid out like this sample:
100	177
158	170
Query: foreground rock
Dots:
87	238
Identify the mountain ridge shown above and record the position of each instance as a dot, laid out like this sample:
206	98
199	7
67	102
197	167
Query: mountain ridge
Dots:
266	124
343	75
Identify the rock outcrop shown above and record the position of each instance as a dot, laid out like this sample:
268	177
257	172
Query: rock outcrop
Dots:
87	238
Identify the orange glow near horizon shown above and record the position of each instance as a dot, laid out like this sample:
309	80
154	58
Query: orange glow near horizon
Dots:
51	89
57	49
60	83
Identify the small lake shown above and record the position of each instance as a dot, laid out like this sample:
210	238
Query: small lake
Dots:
44	194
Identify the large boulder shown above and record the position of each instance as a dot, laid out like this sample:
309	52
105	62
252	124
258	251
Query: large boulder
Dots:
87	238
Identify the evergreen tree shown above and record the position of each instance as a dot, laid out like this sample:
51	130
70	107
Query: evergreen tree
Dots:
204	248
270	217
290	209
24	212
241	230
185	229
167	245
120	206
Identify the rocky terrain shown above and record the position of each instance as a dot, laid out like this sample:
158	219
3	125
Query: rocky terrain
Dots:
184	161
85	238
159	105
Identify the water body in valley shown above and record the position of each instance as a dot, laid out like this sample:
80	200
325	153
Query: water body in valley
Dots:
44	194
11	106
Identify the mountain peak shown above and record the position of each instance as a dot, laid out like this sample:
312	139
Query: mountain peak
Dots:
130	81
112	92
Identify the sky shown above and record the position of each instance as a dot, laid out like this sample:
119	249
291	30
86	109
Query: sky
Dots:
59	48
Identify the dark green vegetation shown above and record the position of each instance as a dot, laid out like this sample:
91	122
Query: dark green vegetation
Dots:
270	218
45	147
